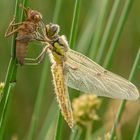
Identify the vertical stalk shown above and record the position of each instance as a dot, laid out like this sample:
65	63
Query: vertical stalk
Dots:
37	108
75	21
137	131
107	31
10	77
119	29
99	28
58	134
57	10
123	103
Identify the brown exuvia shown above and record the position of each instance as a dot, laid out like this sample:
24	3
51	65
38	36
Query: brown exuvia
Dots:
26	32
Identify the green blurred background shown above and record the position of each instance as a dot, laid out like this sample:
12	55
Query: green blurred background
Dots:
21	104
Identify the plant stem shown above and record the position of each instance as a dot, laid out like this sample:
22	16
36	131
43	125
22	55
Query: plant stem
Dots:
58	134
75	21
76	134
99	29
37	108
48	123
107	31
123	103
119	29
89	131
10	77
57	10
137	131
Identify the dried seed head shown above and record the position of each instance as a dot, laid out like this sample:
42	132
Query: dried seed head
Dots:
85	109
1	89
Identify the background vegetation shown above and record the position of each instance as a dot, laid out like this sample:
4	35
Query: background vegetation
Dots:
26	118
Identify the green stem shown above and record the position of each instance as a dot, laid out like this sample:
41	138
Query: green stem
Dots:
10	78
99	29
58	134
137	131
75	21
3	117
107	31
48	123
57	10
75	135
39	98
123	103
89	131
119	29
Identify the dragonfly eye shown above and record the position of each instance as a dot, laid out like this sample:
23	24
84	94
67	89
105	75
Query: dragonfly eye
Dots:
55	28
52	30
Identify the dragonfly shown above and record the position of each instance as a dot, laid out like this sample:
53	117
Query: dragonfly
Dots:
75	70
27	32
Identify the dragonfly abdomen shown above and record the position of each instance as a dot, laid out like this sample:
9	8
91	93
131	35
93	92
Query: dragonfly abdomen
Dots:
21	51
61	92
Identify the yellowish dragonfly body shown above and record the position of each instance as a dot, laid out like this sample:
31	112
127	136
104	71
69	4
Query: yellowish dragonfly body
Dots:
70	68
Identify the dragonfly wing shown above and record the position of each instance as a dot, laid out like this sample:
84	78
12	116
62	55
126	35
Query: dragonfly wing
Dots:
83	74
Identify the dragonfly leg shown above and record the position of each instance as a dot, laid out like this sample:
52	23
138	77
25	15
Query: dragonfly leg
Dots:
39	37
38	59
11	28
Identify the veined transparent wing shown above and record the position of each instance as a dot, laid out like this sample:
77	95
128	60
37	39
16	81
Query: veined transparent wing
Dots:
83	74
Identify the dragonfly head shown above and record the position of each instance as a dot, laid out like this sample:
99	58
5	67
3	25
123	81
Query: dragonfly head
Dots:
52	30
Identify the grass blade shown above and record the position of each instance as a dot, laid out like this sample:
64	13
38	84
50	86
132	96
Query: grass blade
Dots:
39	98
4	116
89	24
59	130
74	27
107	31
76	134
137	131
11	75
57	10
123	103
99	29
48	123
119	29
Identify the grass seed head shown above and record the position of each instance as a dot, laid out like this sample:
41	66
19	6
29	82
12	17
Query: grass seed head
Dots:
85	109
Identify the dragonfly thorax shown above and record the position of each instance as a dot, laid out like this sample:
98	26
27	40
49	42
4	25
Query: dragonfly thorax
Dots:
60	47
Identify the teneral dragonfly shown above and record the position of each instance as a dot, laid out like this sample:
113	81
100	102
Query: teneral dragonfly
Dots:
73	69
